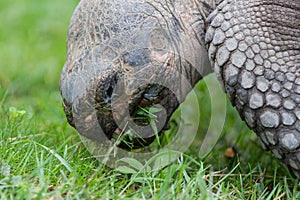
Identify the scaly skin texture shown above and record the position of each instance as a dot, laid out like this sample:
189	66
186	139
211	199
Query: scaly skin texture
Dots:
118	50
254	47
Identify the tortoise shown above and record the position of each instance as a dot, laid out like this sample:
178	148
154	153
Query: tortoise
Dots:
124	56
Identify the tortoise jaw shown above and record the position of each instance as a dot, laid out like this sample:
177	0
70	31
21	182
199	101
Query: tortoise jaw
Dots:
123	114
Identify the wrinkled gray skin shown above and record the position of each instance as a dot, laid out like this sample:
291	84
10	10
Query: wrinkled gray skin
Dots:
126	54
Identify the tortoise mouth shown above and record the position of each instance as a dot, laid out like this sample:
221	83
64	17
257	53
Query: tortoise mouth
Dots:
138	124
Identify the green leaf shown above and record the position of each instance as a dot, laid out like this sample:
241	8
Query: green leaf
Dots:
143	112
126	170
155	109
15	113
154	127
133	163
61	159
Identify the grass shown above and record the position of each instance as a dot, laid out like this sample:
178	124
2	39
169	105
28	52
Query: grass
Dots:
42	157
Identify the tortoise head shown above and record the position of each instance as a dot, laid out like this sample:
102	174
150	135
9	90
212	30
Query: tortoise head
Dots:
118	66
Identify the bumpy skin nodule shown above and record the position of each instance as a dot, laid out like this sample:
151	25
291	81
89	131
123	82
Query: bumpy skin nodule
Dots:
115	49
254	46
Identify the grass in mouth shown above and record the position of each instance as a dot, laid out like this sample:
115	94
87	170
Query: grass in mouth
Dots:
142	117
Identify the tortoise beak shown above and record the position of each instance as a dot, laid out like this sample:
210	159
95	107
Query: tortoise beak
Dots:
120	112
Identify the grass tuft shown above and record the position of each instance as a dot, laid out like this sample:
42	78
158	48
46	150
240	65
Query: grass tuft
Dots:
42	157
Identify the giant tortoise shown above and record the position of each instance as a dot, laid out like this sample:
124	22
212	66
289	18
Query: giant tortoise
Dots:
123	56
